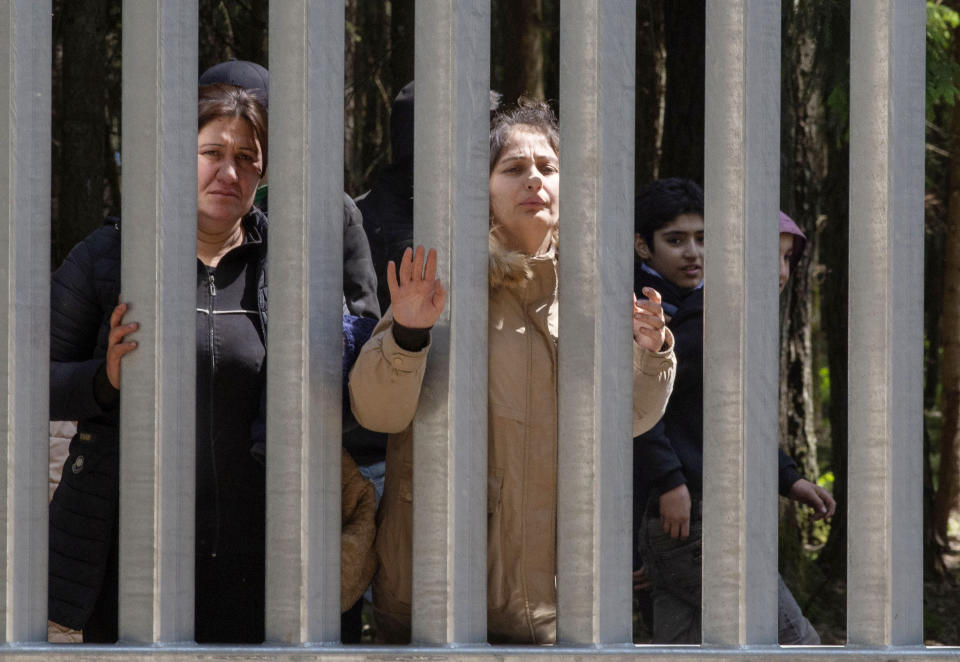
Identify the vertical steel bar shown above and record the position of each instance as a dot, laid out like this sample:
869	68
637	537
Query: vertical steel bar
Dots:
595	366
885	559
25	62
451	211
305	340
158	272
742	135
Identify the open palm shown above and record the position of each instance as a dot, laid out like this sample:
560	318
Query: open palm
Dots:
416	294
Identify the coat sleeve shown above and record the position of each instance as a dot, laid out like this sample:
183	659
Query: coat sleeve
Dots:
75	319
653	374
385	381
659	458
359	277
788	473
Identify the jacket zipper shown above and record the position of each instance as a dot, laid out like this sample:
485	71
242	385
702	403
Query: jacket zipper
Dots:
531	319
213	456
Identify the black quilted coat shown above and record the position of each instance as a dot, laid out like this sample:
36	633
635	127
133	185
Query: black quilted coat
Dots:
83	512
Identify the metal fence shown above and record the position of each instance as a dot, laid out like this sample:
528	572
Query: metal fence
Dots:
884	605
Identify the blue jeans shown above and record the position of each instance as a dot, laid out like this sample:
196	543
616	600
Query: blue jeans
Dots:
375	473
673	566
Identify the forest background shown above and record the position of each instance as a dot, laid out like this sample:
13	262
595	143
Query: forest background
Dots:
669	143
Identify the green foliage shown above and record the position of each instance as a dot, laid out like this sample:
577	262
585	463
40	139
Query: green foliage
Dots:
824	389
838	112
826	480
943	70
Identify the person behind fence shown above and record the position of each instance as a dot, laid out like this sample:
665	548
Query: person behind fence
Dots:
90	333
387	210
359	277
522	388
668	466
359	289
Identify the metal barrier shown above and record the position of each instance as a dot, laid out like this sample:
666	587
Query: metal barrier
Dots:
452	70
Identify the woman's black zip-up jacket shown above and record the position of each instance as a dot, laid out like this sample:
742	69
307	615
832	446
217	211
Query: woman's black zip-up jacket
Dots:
83	512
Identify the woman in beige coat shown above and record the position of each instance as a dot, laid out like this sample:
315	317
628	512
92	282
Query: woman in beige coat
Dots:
522	387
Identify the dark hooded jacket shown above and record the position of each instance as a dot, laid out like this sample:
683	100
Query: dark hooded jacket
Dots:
387	210
359	277
671	453
388	221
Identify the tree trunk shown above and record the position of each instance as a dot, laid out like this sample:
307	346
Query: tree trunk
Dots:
250	30
650	81
801	172
684	34
114	85
81	110
367	100
551	49
517	56
832	64
949	473
401	45
216	40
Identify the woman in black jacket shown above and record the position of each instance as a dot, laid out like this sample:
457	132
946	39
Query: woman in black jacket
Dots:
88	342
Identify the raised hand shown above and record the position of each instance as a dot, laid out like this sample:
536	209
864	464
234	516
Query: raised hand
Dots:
117	348
416	294
648	321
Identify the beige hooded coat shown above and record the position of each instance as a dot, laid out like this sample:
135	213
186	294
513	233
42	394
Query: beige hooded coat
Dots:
522	451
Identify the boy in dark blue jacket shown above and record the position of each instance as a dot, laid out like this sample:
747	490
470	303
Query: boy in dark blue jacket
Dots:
668	460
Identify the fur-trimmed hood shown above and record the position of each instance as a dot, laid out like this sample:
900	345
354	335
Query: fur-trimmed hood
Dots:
509	268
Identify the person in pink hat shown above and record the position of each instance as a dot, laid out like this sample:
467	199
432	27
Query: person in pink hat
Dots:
792	243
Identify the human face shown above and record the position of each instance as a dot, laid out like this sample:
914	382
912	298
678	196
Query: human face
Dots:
677	251
786	255
525	191
229	163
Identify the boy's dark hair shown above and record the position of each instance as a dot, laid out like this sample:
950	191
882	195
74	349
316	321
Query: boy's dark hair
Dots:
661	201
535	114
